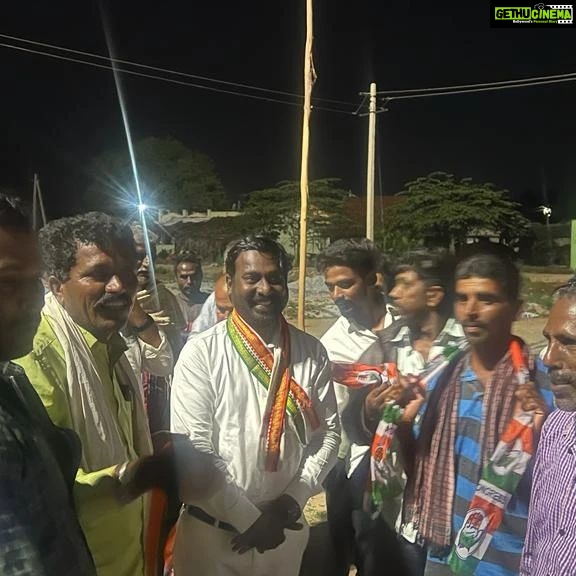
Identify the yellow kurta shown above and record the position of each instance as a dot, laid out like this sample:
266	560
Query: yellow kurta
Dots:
115	533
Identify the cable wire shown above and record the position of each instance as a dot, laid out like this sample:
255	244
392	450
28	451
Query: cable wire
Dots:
487	89
170	80
168	71
481	85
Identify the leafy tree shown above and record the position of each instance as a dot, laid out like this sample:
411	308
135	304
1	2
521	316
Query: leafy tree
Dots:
440	210
171	176
276	210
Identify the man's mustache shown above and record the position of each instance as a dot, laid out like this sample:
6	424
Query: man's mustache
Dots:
473	325
561	377
114	300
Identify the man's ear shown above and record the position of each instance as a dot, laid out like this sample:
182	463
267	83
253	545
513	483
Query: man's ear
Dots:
371	279
55	286
229	284
434	296
380	281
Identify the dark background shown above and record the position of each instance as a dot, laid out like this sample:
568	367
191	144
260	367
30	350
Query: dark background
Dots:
56	115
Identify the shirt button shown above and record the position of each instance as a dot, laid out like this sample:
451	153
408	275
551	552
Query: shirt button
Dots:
562	532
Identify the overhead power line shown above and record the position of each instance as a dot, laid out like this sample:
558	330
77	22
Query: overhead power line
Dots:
167	70
481	85
170	80
485	89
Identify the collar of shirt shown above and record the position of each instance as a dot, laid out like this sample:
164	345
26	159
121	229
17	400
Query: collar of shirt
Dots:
113	348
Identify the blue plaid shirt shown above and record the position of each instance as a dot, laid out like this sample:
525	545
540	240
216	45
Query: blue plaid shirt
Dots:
39	532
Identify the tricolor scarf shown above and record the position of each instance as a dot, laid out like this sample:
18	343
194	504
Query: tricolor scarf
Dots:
429	499
284	393
498	482
386	482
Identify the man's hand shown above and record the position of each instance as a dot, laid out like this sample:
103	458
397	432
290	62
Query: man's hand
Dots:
412	397
378	398
529	399
175	467
267	532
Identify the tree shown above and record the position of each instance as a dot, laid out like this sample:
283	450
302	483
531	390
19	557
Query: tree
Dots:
443	211
277	210
171	176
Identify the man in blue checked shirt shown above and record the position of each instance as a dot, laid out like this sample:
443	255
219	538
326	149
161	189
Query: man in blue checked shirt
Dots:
39	532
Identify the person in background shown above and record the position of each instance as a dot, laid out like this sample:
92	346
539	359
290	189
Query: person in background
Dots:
257	393
216	308
39	532
188	272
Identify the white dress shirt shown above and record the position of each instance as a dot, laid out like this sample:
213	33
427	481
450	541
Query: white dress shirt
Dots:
220	405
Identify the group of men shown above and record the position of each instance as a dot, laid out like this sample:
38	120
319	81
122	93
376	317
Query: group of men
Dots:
418	412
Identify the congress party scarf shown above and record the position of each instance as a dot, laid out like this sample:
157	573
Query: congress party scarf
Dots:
284	393
499	479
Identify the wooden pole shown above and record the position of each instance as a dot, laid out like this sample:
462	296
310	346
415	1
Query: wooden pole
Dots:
40	202
34	205
309	79
371	159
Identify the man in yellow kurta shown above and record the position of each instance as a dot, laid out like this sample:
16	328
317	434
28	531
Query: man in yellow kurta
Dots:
79	369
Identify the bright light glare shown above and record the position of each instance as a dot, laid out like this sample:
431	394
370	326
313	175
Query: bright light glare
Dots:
142	207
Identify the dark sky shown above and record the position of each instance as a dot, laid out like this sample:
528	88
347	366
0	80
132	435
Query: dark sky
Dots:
55	116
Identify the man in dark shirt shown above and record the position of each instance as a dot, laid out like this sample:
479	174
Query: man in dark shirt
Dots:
39	532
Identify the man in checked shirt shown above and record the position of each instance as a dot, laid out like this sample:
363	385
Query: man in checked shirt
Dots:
39	532
550	546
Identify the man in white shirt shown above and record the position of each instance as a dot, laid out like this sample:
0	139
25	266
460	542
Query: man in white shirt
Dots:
257	393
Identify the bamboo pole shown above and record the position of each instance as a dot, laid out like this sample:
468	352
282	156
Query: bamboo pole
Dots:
309	79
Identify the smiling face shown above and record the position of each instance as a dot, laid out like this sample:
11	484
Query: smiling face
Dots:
99	291
258	289
560	355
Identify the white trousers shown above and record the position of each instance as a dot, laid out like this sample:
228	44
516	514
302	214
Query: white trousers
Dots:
203	550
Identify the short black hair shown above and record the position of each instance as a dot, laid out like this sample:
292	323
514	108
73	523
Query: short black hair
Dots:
60	240
190	258
262	244
493	267
13	214
358	254
434	268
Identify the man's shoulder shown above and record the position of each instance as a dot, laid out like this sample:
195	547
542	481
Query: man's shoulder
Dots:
307	344
45	339
559	422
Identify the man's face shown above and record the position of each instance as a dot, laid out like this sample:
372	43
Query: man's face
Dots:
100	289
560	356
222	300
143	265
258	289
189	278
349	291
410	294
21	292
484	311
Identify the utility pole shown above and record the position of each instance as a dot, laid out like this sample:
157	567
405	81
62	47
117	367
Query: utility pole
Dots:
371	159
309	79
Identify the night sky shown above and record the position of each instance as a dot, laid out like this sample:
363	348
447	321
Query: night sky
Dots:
55	116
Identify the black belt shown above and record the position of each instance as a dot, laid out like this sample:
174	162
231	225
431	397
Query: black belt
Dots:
205	517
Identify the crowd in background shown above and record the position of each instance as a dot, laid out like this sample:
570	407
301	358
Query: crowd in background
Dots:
149	431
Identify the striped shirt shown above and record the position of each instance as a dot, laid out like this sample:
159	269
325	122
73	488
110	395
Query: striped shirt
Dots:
550	548
503	556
